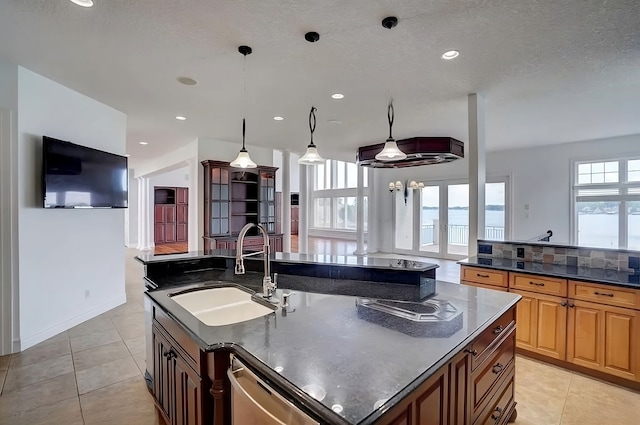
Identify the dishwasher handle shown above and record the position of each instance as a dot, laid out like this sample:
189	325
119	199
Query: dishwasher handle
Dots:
251	396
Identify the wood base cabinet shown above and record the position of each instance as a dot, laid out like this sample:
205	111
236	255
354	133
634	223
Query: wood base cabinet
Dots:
475	388
589	325
604	338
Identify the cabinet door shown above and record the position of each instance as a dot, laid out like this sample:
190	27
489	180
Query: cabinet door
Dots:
526	319
459	393
182	195
551	326
584	335
621	340
432	405
162	371
542	324
188	394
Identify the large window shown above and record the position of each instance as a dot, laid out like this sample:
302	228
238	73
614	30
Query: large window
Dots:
607	203
335	199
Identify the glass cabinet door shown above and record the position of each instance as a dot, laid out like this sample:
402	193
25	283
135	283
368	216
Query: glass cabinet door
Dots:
268	200
219	201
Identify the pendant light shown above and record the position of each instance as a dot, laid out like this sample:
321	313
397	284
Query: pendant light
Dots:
311	157
243	160
390	152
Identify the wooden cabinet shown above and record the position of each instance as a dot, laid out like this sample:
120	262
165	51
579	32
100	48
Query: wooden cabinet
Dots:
484	276
177	387
590	325
234	197
604	338
475	387
542	324
170	214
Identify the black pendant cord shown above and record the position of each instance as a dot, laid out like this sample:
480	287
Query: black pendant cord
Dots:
390	117
244	130
312	125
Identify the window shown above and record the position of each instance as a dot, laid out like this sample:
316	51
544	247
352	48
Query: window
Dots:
607	204
335	196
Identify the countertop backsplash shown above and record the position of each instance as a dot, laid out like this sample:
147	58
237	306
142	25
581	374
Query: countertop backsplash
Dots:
596	258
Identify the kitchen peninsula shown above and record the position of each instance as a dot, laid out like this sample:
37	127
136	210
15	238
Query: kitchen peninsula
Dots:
344	350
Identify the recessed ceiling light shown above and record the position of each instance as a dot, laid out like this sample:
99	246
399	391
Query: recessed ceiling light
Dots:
450	54
278	118
335	122
83	3
187	81
127	155
181	118
144	143
337	96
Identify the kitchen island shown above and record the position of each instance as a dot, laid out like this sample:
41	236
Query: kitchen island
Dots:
337	358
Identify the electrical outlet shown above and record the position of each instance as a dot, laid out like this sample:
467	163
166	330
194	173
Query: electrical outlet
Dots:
87	293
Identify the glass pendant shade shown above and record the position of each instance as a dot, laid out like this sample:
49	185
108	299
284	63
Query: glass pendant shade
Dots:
243	160
311	156
390	152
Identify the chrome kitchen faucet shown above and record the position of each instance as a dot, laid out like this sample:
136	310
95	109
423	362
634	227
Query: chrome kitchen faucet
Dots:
268	286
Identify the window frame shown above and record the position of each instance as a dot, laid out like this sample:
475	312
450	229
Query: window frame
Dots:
622	197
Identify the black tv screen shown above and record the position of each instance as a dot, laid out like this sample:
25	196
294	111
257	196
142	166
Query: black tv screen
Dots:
76	176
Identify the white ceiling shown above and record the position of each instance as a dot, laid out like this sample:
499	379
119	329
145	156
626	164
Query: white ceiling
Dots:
551	71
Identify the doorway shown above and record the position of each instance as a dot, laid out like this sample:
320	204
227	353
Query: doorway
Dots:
434	221
170	219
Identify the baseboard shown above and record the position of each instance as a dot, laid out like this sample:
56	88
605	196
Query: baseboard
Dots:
54	330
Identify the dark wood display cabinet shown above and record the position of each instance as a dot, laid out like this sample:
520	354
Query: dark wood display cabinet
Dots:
170	214
234	197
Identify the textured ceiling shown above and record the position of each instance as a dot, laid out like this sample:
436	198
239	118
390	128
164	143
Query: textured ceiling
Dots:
551	71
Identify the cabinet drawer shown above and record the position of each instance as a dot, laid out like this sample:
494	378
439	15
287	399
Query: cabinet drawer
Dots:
486	276
501	406
484	345
486	376
605	294
542	285
188	347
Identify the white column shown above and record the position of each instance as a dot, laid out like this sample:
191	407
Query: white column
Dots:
360	213
372	219
286	201
303	223
145	214
477	170
196	205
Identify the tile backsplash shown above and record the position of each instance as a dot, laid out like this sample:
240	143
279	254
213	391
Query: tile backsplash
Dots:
627	261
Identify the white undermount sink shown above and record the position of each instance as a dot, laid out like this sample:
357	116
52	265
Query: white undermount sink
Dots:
221	306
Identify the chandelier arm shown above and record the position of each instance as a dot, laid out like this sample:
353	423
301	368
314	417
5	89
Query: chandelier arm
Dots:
312	123
390	117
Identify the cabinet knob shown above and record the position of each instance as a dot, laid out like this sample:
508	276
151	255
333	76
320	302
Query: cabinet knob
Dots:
563	303
472	352
497	368
497	414
498	330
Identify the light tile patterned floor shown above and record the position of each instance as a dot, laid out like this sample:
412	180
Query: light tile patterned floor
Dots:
93	374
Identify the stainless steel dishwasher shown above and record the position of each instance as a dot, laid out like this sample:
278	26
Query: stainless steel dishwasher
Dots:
253	402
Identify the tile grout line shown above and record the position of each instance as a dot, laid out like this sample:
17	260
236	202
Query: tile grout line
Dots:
566	396
75	378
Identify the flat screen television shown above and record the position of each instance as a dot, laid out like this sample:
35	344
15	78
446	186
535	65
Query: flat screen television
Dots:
75	176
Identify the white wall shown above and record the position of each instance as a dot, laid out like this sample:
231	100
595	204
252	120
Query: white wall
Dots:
540	177
174	178
71	261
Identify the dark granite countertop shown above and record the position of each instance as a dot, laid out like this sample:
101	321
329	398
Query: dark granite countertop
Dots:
336	260
605	276
356	359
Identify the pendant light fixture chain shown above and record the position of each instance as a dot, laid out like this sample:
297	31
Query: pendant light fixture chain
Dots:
312	123
390	117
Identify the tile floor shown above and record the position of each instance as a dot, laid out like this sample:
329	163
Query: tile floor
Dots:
93	374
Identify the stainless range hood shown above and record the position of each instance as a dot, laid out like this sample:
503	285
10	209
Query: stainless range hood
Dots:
419	151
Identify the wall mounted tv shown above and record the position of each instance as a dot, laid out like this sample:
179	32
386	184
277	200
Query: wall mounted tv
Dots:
75	176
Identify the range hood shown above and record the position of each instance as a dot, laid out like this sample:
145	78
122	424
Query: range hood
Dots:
419	150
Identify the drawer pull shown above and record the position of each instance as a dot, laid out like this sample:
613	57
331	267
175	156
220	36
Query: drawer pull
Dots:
536	283
472	352
497	414
497	368
482	275
498	330
603	294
